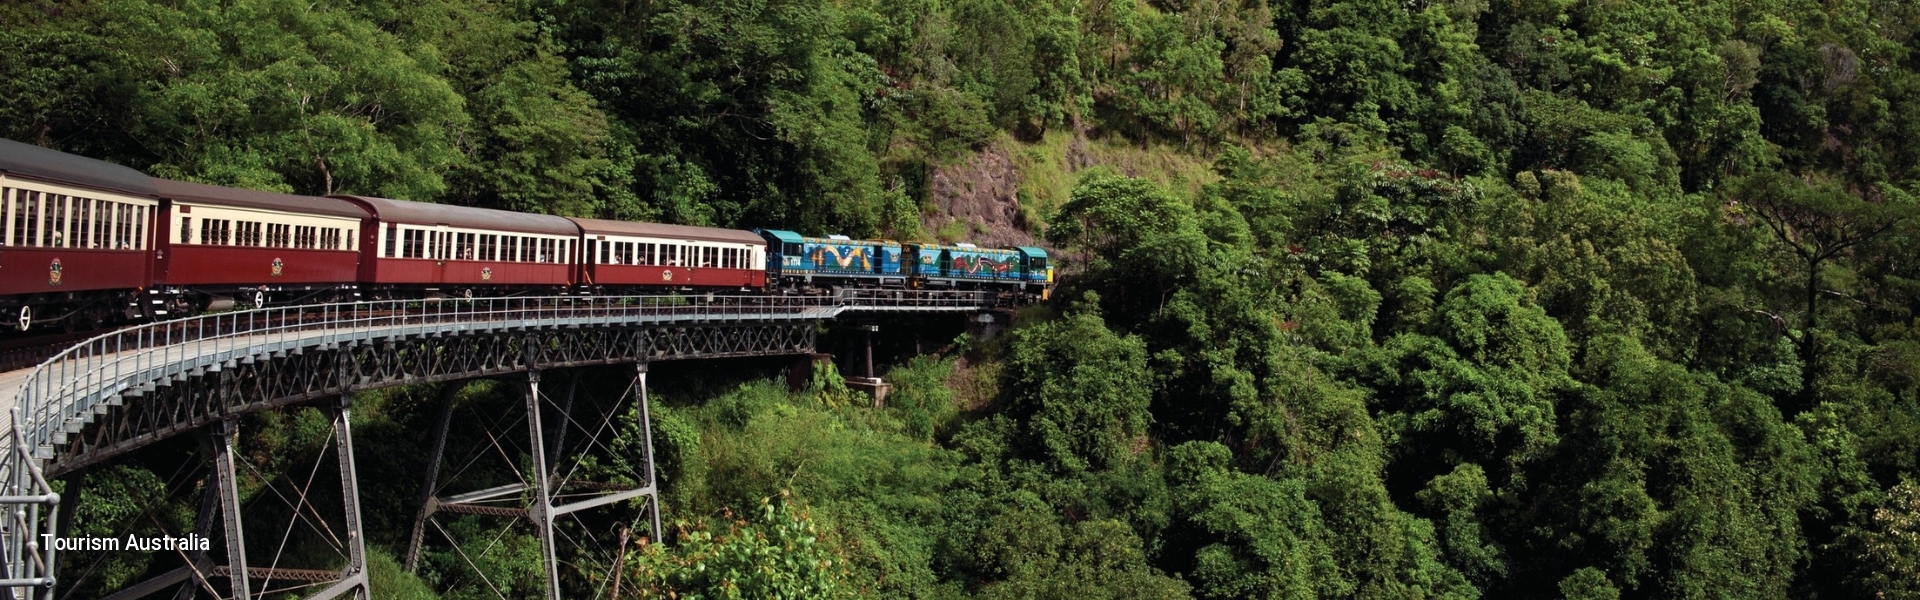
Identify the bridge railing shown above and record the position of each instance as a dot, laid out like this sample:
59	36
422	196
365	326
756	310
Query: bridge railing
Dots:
59	393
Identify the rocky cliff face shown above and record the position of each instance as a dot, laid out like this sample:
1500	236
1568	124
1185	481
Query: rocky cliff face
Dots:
977	200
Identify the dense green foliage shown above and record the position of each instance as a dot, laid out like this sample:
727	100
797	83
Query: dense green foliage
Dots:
1484	298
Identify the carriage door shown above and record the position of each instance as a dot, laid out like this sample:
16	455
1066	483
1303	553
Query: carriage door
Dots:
443	247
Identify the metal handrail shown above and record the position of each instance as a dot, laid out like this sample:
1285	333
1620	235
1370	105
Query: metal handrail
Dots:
68	386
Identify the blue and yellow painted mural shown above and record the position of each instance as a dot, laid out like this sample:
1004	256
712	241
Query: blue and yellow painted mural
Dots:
833	259
834	256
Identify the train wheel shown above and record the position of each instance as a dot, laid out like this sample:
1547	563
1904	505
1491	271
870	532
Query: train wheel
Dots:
259	299
26	317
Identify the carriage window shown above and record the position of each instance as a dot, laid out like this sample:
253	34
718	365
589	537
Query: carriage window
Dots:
103	224
56	225
103	214
110	225
49	205
393	231
102	220
82	224
33	219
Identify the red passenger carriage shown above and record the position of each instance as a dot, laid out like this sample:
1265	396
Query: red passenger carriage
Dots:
74	236
639	256
414	248
221	245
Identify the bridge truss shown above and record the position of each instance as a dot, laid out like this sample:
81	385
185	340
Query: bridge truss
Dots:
125	390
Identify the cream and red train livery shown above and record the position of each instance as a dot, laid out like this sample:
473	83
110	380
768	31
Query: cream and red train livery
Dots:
84	242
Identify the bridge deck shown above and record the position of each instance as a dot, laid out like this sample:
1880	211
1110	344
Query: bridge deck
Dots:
95	383
63	395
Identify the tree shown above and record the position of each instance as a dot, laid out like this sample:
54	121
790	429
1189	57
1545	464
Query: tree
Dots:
1079	391
1817	220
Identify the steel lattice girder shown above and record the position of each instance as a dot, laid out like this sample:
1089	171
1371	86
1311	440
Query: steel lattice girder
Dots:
313	374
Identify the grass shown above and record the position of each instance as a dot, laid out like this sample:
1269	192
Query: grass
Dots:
1048	174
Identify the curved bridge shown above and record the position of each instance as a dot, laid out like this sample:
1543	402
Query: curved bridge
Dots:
123	390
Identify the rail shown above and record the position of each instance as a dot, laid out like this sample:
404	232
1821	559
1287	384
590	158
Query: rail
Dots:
71	385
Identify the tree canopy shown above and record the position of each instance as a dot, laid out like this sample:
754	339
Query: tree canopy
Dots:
1361	299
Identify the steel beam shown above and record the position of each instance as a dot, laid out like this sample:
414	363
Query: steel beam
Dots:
542	509
646	433
224	433
431	484
195	398
354	576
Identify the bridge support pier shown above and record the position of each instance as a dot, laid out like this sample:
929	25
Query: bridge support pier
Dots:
652	488
353	578
548	487
429	487
871	383
224	434
542	510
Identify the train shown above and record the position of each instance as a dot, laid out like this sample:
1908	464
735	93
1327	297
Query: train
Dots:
85	243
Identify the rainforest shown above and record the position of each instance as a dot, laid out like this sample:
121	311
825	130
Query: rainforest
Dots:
1358	298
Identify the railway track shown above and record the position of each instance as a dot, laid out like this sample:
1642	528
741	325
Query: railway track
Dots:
26	351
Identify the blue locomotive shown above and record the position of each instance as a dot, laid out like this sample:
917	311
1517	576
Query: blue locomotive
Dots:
800	262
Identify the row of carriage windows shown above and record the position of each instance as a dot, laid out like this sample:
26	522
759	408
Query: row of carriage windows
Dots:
453	245
228	232
671	255
51	220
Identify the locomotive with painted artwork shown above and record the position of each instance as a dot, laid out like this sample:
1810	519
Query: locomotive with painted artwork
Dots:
966	266
802	263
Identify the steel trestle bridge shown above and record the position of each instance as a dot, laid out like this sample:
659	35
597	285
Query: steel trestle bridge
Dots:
120	391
